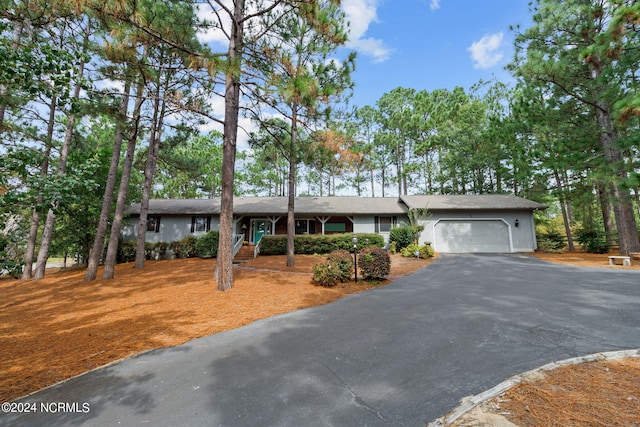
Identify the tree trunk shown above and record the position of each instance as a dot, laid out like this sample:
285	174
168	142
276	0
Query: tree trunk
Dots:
605	208
152	157
47	232
121	200
224	262
291	222
95	254
622	204
27	273
565	215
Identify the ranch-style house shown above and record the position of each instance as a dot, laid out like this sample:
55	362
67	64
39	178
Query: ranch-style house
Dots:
452	223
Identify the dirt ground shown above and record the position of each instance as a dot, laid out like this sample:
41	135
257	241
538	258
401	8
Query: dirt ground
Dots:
60	326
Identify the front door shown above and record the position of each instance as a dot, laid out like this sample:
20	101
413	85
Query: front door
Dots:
258	229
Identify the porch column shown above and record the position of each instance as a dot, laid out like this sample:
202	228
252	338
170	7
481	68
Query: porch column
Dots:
273	220
323	220
236	221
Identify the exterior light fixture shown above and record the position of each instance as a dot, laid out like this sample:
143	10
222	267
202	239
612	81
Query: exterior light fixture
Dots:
355	256
517	223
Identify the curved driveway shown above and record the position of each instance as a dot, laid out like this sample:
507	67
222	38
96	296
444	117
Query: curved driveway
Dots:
403	354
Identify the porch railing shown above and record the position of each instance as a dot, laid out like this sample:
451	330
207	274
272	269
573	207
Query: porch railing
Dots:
256	250
237	244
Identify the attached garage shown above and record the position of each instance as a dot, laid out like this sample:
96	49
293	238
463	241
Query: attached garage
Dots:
490	235
495	223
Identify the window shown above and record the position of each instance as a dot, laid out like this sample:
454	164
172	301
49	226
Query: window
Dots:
200	224
384	223
305	226
153	223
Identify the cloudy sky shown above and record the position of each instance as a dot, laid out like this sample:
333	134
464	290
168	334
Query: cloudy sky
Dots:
419	44
430	44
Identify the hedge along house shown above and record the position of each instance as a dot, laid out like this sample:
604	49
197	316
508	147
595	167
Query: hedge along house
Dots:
482	223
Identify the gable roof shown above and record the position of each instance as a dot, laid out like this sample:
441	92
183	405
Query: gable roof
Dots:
471	202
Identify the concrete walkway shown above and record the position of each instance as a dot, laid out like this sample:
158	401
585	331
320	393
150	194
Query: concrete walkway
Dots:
403	354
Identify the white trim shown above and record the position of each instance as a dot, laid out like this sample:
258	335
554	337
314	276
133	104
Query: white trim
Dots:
323	220
435	243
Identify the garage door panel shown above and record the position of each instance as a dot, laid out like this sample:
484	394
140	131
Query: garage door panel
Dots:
472	236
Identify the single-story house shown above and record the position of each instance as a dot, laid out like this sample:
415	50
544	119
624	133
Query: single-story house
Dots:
460	223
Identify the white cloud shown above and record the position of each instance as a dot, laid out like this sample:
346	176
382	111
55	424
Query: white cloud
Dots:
213	35
486	52
360	14
435	4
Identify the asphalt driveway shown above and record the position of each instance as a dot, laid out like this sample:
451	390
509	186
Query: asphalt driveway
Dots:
401	355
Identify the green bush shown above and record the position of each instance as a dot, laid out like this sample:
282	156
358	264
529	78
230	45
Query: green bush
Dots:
273	245
185	247
552	242
207	244
374	263
424	251
11	261
593	241
401	236
317	243
343	261
126	251
155	250
12	268
326	274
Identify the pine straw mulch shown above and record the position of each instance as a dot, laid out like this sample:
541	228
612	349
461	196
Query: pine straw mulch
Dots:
601	393
61	326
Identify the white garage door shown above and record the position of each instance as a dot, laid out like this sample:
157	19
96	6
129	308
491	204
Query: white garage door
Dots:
472	236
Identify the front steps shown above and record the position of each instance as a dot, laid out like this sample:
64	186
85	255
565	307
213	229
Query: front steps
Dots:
245	254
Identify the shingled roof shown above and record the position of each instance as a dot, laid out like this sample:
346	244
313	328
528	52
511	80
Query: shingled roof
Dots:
338	205
471	202
276	206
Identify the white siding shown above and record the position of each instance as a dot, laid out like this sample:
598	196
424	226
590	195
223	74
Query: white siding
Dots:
522	236
172	228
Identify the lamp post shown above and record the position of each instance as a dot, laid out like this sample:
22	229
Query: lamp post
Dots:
355	256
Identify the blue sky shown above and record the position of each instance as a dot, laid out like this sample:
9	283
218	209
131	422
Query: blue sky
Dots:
430	44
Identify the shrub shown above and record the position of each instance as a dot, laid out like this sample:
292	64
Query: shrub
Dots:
126	251
343	261
317	243
424	251
552	242
11	258
326	274
374	263
273	245
10	267
593	241
401	236
207	244
155	250
186	247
